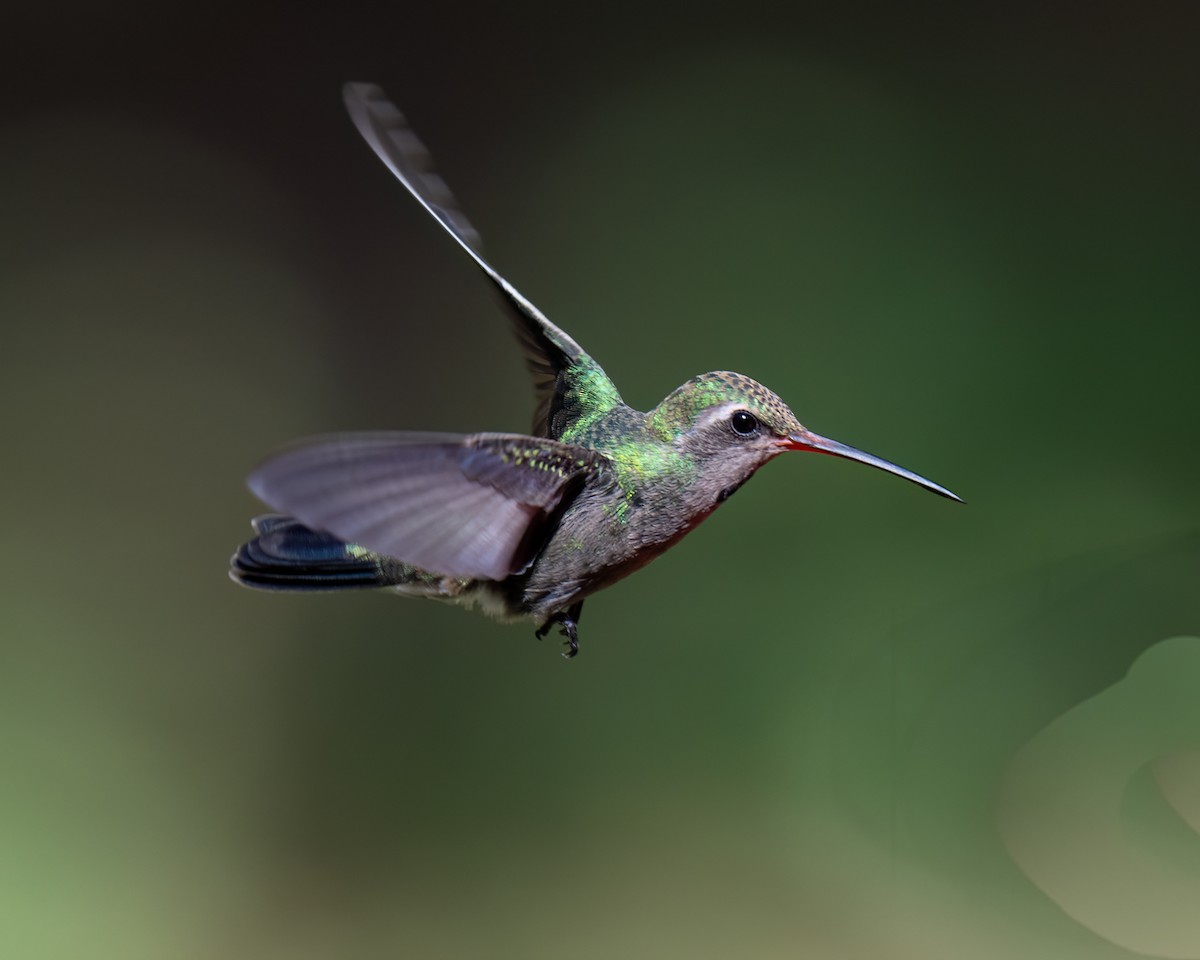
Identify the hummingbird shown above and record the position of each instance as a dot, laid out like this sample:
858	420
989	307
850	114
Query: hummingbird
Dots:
522	526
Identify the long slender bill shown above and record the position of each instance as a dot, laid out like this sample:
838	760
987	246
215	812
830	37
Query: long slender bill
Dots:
819	444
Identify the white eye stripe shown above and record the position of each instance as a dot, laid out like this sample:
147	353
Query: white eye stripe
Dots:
719	414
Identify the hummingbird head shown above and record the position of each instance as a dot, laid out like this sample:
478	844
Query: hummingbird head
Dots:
732	425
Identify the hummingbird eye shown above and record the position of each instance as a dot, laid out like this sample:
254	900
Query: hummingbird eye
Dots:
744	424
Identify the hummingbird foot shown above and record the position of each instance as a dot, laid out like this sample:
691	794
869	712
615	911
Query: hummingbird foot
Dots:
568	623
570	630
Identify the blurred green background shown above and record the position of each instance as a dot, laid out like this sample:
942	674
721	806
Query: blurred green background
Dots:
962	239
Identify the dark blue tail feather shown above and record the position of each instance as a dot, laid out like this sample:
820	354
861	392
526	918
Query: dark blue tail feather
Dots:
287	555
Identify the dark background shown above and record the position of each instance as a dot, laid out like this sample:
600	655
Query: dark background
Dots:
964	240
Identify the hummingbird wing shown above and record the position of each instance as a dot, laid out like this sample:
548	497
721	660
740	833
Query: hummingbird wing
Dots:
567	382
464	506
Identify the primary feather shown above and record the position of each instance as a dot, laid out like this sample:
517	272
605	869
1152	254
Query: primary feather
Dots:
557	364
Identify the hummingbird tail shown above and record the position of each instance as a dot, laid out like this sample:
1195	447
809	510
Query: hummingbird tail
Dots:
287	555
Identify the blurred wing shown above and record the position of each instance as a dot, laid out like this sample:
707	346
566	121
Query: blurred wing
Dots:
464	506
556	362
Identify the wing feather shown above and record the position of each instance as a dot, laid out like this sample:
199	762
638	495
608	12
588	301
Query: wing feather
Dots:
556	363
465	506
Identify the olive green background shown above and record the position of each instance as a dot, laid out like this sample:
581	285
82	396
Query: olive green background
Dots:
832	723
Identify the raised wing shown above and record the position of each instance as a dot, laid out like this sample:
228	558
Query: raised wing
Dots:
568	383
464	506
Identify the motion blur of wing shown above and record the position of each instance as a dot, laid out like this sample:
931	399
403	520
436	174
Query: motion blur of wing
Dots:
464	506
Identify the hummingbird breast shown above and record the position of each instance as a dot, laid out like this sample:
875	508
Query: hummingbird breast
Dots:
616	525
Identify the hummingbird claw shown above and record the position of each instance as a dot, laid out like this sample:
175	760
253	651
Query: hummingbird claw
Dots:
568	623
571	632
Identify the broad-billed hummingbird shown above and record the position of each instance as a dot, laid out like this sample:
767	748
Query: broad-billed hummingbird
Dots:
523	526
